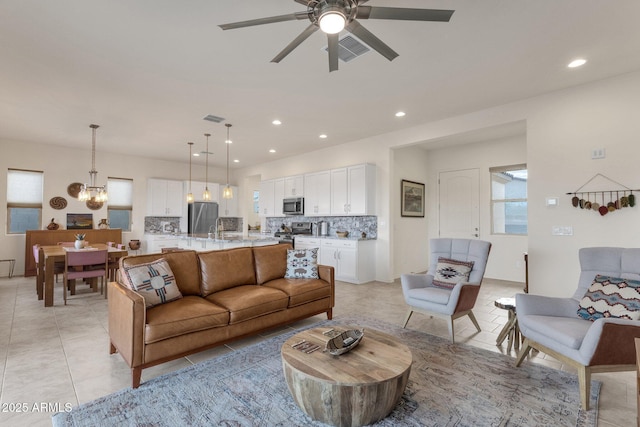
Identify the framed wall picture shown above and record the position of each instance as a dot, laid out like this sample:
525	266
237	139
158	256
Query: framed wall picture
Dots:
412	199
79	221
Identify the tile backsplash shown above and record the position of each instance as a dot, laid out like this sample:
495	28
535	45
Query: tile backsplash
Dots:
162	224
355	225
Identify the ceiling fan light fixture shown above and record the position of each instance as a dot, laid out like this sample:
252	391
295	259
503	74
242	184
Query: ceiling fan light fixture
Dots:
332	21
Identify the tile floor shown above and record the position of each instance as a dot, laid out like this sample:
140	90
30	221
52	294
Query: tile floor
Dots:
52	357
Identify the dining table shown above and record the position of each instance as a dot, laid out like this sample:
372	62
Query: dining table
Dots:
50	254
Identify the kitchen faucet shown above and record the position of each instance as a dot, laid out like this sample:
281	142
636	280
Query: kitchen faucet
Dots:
219	229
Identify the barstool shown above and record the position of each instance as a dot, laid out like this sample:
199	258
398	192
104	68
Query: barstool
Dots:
12	263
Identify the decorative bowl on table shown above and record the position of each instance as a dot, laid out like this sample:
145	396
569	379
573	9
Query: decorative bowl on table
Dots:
344	342
342	233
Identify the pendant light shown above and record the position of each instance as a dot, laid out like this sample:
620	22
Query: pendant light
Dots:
93	191
227	193
190	194
206	196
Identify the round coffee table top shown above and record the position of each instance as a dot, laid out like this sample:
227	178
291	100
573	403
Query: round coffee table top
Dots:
506	303
378	357
354	389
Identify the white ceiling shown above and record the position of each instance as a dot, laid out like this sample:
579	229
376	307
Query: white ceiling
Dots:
148	71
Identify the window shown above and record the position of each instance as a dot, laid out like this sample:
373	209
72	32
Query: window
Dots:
24	201
120	203
509	200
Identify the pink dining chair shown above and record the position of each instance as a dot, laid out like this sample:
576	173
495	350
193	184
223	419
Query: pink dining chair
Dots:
94	264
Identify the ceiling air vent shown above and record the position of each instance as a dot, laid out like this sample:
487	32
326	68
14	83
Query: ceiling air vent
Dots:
212	118
350	48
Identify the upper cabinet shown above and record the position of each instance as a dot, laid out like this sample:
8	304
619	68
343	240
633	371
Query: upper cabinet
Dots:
164	197
344	191
353	190
317	193
271	195
228	207
294	186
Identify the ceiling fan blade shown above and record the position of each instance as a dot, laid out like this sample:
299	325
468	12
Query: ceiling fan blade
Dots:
296	42
333	51
403	14
261	21
371	40
304	2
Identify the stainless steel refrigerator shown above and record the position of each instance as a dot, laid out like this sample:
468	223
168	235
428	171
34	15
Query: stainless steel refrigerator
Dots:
202	217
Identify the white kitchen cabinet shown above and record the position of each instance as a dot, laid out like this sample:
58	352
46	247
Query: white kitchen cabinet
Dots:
317	193
197	188
155	243
165	197
353	190
271	195
228	207
294	186
353	260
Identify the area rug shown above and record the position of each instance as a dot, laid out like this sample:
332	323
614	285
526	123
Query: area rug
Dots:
450	385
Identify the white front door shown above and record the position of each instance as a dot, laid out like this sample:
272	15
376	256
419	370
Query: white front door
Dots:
459	200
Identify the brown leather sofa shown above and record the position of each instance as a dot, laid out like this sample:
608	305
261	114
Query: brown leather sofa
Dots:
227	295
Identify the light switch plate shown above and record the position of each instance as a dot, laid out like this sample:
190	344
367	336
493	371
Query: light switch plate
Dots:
562	230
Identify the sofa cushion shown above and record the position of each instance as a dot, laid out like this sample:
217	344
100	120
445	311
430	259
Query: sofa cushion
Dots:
154	281
611	297
183	316
225	269
250	301
184	265
302	264
271	262
449	272
301	291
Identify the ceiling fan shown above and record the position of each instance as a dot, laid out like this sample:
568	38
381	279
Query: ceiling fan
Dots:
333	16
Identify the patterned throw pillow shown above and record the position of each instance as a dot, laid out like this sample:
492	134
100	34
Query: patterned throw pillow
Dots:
451	271
154	281
302	264
611	297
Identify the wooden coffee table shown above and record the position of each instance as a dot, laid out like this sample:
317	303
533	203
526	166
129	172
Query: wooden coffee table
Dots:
354	389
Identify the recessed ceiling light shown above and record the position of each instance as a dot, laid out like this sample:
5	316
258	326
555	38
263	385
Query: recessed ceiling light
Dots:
577	63
236	161
228	141
272	151
401	114
276	122
196	154
323	136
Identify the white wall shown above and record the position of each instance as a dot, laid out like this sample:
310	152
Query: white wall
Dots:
410	236
63	166
506	261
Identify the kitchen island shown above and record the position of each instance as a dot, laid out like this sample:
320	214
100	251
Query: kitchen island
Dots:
201	242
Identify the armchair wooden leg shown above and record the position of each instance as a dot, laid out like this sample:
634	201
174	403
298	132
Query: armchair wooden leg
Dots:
451	330
473	320
584	382
524	351
330	314
406	319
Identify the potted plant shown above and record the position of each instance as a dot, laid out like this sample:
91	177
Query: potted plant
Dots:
79	243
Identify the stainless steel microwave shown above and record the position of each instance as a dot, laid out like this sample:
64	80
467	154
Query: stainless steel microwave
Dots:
293	206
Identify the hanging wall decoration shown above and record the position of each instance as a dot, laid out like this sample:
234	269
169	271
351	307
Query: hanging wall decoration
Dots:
58	202
603	201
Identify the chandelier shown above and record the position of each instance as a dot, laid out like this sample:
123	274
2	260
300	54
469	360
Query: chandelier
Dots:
93	191
227	193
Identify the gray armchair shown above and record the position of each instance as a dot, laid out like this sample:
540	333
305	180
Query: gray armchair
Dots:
552	325
422	296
